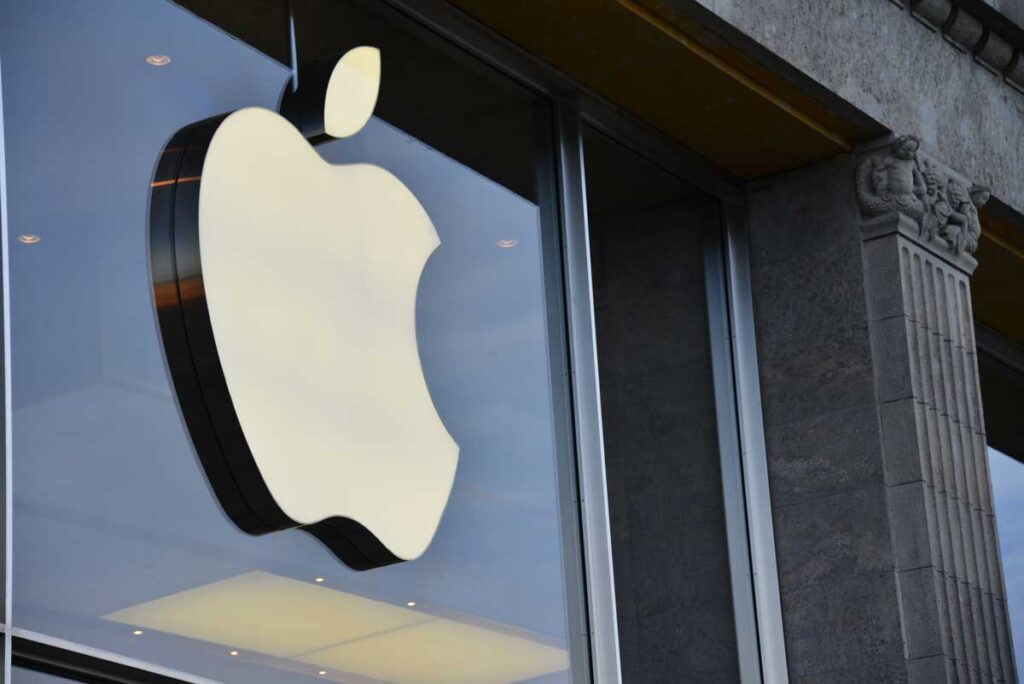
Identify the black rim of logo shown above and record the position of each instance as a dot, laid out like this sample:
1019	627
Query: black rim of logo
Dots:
191	352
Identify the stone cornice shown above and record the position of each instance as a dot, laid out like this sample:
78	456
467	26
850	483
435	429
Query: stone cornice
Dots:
978	29
898	180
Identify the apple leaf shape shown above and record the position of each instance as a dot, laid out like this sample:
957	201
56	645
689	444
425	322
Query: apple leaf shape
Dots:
352	92
336	96
286	294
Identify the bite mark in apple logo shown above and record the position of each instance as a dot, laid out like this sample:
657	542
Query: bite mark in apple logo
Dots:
285	290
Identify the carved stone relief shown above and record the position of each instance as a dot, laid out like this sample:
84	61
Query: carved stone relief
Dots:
900	179
921	227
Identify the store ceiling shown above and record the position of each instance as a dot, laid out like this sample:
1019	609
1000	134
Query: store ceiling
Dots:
337	634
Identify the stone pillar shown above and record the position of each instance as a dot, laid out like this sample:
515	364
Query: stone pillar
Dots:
888	558
920	226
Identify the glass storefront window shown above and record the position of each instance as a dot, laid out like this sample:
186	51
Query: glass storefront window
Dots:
21	675
119	542
1008	492
648	232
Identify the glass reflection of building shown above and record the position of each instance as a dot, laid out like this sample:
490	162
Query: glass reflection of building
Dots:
120	545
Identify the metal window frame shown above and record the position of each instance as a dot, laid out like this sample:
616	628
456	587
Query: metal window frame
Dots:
753	450
6	542
599	584
751	536
734	499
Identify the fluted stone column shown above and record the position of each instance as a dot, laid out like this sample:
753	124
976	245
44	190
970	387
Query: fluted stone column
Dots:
920	227
889	564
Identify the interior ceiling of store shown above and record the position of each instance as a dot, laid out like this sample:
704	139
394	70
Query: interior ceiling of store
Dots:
346	634
695	81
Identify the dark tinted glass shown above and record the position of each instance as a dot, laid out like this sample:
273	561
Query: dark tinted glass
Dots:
647	232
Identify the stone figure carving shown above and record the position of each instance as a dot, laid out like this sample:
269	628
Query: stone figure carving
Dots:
892	182
901	180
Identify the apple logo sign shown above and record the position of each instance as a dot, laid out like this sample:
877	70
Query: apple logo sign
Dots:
286	290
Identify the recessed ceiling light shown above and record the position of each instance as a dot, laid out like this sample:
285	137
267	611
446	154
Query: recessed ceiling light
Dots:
320	580
410	603
158	60
137	632
322	672
28	238
234	653
507	244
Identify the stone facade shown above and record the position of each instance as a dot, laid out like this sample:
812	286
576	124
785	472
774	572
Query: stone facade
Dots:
911	65
917	255
887	548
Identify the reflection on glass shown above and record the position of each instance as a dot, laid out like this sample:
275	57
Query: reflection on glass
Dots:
669	543
116	529
1008	493
20	675
346	632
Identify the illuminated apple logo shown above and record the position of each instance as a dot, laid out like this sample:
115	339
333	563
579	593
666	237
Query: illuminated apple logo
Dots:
286	294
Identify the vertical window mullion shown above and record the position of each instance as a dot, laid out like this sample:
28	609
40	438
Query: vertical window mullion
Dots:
5	677
732	467
767	599
600	583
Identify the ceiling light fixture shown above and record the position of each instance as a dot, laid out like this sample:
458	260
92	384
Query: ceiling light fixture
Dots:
29	239
137	632
507	244
234	653
410	603
322	672
158	60
320	580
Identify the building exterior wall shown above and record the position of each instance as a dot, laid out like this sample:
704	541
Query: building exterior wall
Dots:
888	557
879	57
839	593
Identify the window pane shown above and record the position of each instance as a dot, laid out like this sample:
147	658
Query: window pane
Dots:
1008	491
21	675
658	408
120	542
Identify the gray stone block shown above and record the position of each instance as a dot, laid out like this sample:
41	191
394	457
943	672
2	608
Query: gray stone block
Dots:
919	596
844	625
891	672
891	345
978	630
802	295
793	214
930	670
903	442
824	454
831	538
908	513
956	623
819	374
967	618
883	276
